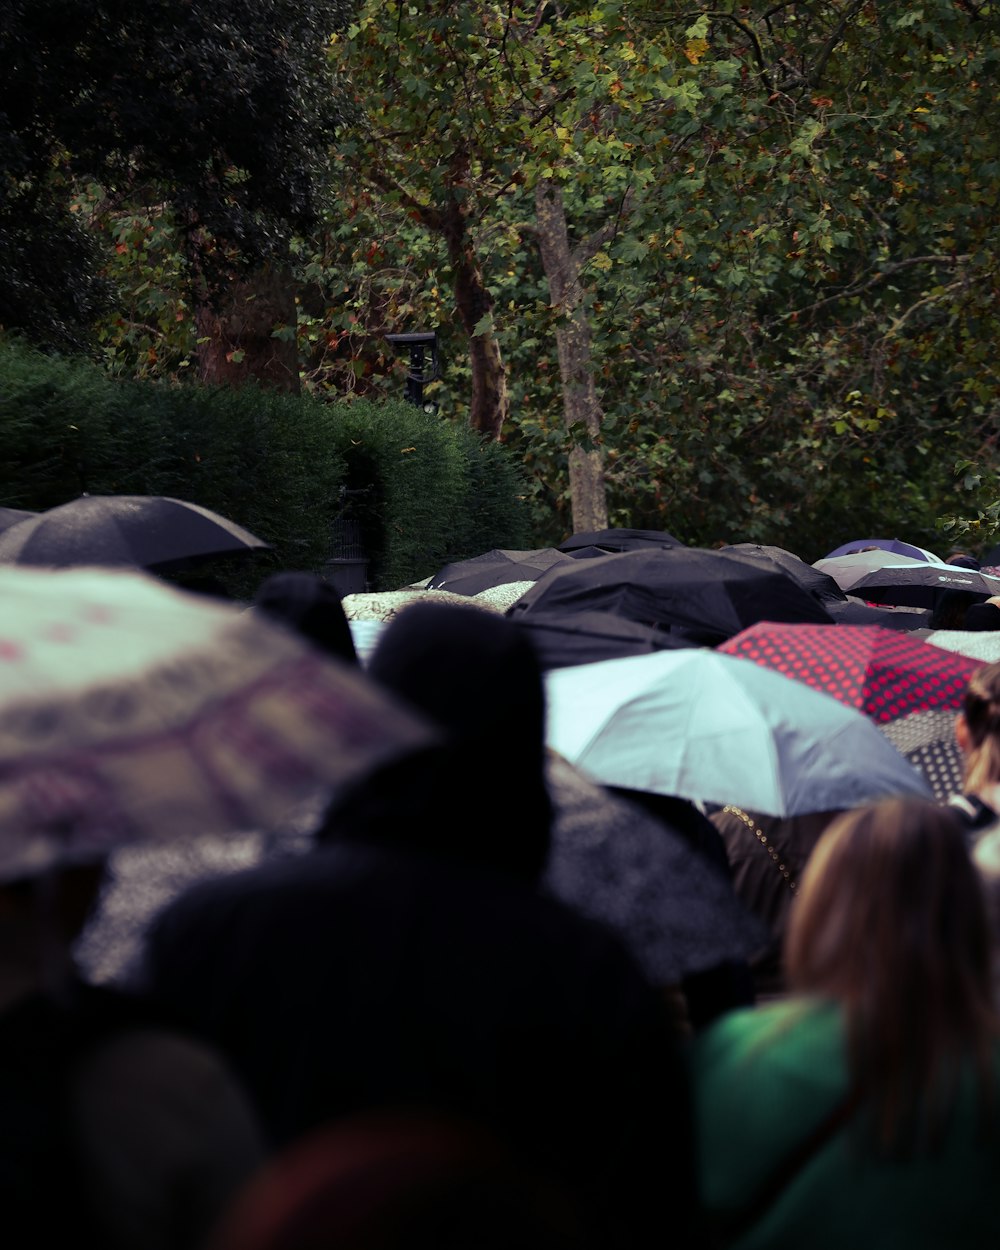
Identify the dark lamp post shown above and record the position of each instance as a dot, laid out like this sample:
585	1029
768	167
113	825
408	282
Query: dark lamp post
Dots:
419	344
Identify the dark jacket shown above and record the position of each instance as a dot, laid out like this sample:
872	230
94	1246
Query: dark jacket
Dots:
358	977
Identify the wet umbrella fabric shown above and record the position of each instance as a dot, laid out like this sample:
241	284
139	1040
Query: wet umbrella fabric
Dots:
701	595
614	862
881	672
927	739
848	569
141	531
822	585
982	646
884	578
131	711
565	638
494	568
720	729
921	587
11	516
619	540
851	611
384	605
894	545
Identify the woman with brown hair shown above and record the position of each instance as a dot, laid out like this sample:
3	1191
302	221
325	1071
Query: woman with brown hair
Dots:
864	1110
977	730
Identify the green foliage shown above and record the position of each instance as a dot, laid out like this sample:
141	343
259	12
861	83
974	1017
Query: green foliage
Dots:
440	493
274	463
221	109
794	311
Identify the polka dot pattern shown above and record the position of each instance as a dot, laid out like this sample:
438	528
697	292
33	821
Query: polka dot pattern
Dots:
885	673
927	740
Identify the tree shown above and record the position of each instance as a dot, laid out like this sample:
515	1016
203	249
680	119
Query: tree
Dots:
764	228
222	110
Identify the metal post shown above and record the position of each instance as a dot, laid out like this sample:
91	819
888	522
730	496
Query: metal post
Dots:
415	379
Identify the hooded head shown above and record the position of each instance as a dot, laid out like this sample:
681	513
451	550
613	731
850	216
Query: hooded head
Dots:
484	795
311	606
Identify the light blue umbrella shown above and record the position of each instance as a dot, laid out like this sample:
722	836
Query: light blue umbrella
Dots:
720	729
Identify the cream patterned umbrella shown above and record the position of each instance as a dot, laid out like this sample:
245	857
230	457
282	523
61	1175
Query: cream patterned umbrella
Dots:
131	711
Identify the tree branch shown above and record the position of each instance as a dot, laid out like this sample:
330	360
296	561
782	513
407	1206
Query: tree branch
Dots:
885	271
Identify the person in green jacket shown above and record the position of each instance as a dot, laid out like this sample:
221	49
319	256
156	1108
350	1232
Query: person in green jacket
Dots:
864	1109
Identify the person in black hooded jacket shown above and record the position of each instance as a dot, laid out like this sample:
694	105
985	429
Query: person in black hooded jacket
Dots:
412	960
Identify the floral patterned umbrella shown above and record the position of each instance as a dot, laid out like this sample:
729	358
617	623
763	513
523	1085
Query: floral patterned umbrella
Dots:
131	711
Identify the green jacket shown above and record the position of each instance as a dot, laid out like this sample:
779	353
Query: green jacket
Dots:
765	1078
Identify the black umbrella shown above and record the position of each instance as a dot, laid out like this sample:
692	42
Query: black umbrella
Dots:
819	584
11	516
494	568
920	585
615	862
702	595
565	638
145	531
620	540
855	612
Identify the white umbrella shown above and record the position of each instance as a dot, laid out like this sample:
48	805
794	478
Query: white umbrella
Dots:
132	711
383	605
977	644
719	729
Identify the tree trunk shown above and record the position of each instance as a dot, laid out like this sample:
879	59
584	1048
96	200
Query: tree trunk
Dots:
490	403
237	330
581	405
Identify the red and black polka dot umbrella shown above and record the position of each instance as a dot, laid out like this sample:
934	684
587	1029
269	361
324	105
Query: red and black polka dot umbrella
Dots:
885	673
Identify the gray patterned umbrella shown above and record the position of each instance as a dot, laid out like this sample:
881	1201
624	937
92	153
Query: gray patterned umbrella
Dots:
927	739
616	863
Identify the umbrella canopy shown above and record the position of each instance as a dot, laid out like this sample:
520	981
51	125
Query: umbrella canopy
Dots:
383	605
822	585
11	516
984	647
619	540
132	711
494	568
882	672
719	729
614	862
886	578
851	611
848	569
894	545
565	638
920	586
927	739
144	531
702	595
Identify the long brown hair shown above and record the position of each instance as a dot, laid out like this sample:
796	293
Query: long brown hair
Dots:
890	921
981	711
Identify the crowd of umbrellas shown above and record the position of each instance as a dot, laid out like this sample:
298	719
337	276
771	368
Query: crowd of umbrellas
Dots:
849	696
744	675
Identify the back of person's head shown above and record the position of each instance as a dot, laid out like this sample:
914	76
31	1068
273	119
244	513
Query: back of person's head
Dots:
484	794
981	714
890	921
311	606
982	616
400	1181
950	607
961	559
